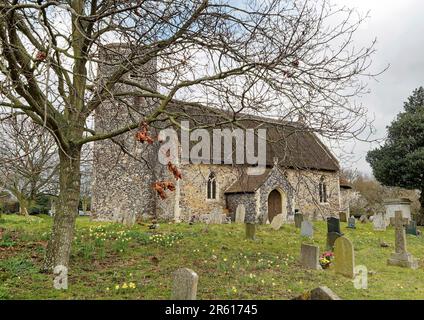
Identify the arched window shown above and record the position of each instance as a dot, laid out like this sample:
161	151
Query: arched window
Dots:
211	186
322	191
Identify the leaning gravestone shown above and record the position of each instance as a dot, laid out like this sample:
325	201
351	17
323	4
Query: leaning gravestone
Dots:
351	223
277	221
344	257
401	257
250	231
240	213
307	229
309	257
185	285
411	228
379	222
298	218
343	216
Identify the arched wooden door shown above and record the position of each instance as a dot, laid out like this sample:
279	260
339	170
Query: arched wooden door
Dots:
274	204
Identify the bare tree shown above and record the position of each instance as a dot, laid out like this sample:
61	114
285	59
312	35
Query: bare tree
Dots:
28	161
284	58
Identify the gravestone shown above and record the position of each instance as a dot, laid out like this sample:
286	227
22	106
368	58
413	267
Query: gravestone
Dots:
277	222
363	219
401	257
343	216
344	257
333	231
309	257
333	225
250	231
411	228
379	222
298	218
185	285
323	293
240	214
216	217
331	238
307	229
351	223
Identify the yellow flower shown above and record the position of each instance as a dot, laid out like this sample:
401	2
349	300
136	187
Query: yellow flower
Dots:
107	289
132	285
117	287
234	290
225	259
124	286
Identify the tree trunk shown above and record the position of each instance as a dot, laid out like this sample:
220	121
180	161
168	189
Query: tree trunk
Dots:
420	215
23	210
60	243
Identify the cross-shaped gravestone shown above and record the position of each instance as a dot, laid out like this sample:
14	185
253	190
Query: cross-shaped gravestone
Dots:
401	257
400	236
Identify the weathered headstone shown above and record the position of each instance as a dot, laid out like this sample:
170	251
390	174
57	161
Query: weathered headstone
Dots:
277	221
250	231
343	216
307	229
309	257
240	214
401	257
344	257
351	223
185	285
298	218
216	217
379	222
411	228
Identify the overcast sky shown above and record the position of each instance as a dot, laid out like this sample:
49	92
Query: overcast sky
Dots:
398	26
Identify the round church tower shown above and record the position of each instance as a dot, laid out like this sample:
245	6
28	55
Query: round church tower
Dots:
123	169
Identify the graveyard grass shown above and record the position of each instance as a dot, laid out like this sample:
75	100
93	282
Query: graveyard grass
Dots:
111	261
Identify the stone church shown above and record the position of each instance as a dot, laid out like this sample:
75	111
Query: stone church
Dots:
301	172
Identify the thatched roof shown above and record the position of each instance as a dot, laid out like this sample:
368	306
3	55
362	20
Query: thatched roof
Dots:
294	145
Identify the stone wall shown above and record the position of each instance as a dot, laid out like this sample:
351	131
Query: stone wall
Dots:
246	199
193	196
123	169
306	190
